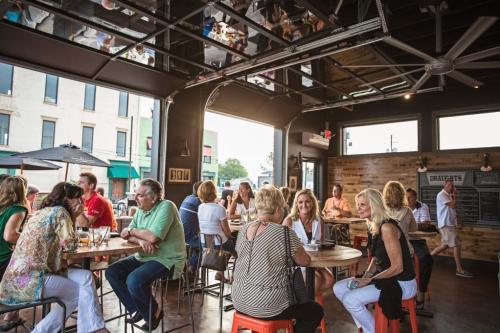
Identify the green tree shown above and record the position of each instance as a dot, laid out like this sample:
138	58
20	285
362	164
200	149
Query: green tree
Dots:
232	169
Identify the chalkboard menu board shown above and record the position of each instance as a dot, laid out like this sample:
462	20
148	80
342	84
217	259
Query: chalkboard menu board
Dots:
478	195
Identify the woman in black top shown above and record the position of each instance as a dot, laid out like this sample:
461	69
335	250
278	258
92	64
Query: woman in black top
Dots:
390	277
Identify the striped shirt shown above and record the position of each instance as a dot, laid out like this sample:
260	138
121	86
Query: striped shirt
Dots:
260	277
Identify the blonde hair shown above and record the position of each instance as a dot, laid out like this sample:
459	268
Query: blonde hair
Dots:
268	199
394	195
13	191
315	209
378	211
207	191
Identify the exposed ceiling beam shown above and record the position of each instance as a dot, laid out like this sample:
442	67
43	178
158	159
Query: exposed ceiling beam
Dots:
352	74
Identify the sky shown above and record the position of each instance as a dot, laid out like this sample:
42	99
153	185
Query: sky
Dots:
248	141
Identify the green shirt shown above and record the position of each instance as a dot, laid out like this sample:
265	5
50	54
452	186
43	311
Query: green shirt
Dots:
164	222
5	247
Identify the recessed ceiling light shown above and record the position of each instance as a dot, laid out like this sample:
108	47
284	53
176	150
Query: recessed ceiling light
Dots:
476	87
407	96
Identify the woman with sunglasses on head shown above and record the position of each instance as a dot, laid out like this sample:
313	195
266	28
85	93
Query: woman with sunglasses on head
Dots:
37	262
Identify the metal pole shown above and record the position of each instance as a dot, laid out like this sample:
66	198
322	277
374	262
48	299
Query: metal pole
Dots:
130	153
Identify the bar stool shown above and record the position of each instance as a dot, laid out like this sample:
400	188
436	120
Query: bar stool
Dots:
260	325
319	300
382	323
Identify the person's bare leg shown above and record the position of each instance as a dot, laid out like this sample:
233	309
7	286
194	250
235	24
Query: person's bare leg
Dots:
458	258
439	249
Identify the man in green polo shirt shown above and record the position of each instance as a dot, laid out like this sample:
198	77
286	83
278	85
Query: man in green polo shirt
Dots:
156	227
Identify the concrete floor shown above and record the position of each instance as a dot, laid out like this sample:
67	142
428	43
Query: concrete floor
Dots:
459	304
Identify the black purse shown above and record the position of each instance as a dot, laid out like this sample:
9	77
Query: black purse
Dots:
296	287
213	258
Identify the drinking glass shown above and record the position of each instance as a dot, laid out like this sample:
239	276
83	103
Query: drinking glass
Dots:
105	235
252	214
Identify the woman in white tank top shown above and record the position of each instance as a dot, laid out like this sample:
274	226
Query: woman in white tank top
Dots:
306	222
243	202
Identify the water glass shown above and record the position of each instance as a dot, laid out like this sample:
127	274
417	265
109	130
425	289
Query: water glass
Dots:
105	234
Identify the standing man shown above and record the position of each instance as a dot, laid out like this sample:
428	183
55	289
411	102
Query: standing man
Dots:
114	224
156	227
227	194
446	203
337	206
423	218
97	212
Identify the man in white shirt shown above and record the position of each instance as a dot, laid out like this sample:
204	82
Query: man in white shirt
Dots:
446	202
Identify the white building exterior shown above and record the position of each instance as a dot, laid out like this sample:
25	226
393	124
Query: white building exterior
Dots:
27	109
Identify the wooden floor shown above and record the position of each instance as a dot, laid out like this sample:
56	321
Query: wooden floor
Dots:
459	304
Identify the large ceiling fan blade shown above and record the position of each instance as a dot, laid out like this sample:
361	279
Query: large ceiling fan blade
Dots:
420	82
381	66
475	30
478	55
479	65
391	77
465	79
410	49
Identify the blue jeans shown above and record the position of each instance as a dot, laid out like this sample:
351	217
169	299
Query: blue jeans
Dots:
194	243
131	280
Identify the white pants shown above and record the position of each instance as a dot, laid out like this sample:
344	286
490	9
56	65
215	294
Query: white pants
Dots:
76	290
355	300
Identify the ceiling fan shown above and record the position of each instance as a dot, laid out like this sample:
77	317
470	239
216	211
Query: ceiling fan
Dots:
449	63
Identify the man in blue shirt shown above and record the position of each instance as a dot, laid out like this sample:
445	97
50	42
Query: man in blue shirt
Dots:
188	212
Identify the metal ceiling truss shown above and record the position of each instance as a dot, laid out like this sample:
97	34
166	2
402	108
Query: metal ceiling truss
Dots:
318	13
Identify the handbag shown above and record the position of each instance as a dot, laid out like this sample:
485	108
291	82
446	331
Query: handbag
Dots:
213	258
296	287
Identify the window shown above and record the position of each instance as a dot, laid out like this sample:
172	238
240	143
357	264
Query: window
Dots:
4	129
121	143
48	134
51	83
123	104
381	138
149	146
87	139
6	74
89	101
469	131
207	154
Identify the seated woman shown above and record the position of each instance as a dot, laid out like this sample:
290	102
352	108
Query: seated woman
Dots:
390	276
37	261
213	220
243	201
305	221
260	277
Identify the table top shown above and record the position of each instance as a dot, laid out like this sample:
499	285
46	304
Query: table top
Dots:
344	220
336	257
422	234
116	246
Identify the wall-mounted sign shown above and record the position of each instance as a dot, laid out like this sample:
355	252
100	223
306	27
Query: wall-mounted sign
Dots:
491	178
178	175
438	178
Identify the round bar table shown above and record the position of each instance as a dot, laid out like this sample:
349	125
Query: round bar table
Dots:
336	257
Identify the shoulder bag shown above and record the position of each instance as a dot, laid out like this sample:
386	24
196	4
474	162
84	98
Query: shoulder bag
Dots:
297	293
213	258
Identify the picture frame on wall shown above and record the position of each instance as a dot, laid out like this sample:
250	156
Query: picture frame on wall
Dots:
179	175
292	183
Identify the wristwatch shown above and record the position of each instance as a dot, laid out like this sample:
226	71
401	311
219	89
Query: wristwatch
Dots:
129	231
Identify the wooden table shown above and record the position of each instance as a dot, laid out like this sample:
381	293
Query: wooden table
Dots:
344	220
116	246
336	257
422	234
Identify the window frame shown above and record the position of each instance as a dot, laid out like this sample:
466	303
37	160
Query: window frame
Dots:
125	144
57	90
85	97
379	121
460	112
126	104
91	138
53	133
11	80
8	129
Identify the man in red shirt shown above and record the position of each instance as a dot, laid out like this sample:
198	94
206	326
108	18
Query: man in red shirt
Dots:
97	213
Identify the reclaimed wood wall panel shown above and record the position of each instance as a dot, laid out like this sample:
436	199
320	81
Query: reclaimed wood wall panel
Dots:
356	173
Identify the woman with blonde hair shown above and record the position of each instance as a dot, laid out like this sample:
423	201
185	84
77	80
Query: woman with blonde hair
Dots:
397	206
260	276
305	220
213	220
390	276
13	212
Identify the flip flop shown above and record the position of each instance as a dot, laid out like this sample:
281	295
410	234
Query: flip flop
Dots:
10	324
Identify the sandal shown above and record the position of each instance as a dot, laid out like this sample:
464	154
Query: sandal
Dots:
419	304
10	324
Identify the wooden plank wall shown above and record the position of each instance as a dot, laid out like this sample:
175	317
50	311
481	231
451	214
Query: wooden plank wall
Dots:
356	173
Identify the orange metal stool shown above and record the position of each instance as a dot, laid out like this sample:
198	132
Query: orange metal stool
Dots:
319	300
382	323
259	325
